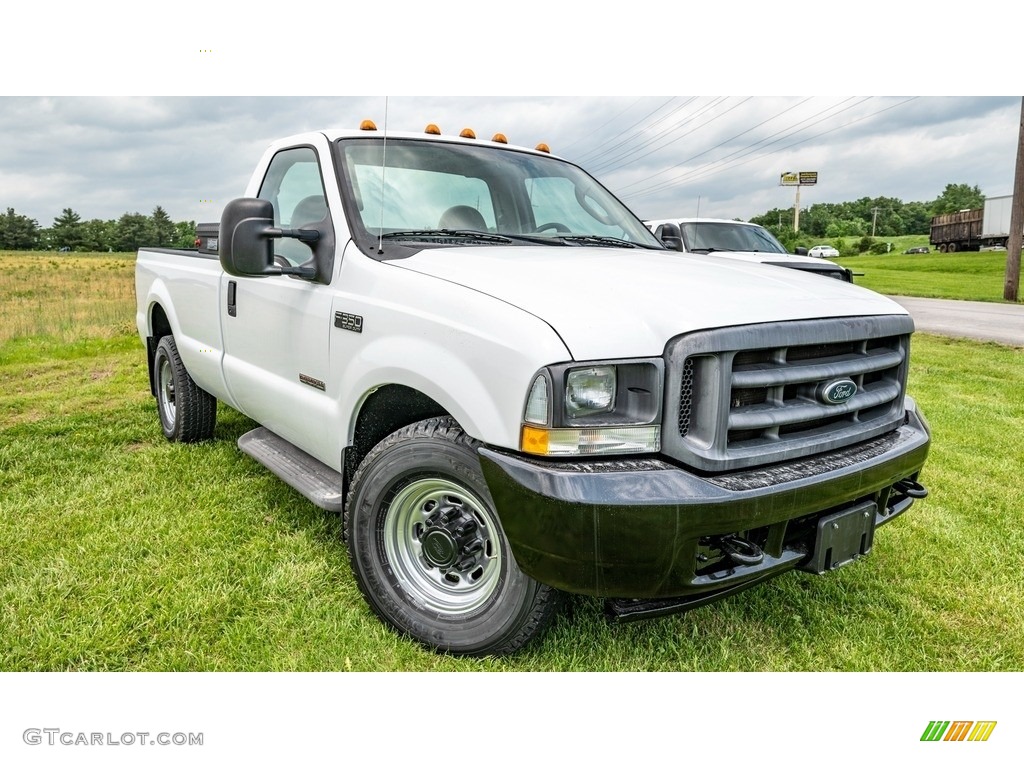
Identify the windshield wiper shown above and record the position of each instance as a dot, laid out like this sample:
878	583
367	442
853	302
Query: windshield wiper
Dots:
598	240
445	234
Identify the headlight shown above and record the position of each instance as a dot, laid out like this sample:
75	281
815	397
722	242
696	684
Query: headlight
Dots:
589	391
601	408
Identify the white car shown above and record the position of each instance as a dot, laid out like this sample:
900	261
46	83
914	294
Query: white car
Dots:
823	252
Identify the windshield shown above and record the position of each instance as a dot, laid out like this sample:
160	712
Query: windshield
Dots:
419	193
728	236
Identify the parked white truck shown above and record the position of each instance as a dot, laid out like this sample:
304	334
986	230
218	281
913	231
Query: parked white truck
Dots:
742	241
511	389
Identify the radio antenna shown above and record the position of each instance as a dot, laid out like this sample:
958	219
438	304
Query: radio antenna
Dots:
383	167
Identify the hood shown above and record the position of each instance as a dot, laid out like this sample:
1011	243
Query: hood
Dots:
610	303
764	257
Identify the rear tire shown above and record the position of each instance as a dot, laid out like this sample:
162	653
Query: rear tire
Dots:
187	413
428	550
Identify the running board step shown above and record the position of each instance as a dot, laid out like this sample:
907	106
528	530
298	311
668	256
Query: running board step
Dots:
310	477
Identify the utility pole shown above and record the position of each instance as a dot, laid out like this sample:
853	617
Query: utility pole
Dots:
874	218
1013	244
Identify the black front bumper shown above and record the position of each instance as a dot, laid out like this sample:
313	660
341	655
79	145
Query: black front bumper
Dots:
646	528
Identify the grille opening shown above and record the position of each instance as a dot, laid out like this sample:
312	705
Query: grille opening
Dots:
817	351
686	398
889	342
751	357
744	397
743	435
873	376
792	429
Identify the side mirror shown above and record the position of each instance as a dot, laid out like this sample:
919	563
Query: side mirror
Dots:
800	251
246	245
247	233
670	236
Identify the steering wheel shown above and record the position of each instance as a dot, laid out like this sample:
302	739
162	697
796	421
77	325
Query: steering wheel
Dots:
555	225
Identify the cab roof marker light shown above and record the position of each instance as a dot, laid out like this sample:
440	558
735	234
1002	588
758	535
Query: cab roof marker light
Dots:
468	133
542	147
367	125
432	129
499	138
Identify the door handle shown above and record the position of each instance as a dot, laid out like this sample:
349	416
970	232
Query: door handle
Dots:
232	293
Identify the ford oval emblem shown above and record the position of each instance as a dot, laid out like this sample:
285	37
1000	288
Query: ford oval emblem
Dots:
836	392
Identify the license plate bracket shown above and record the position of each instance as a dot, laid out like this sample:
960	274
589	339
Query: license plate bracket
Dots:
842	537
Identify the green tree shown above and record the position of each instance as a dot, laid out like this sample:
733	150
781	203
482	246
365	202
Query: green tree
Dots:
162	228
66	231
917	219
97	235
958	197
132	231
18	232
185	234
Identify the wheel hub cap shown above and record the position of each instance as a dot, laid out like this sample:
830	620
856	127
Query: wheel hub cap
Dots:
450	538
440	549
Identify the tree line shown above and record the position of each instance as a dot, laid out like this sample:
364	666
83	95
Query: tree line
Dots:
867	217
870	217
70	233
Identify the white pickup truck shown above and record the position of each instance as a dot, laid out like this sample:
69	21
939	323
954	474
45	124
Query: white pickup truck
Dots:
511	389
742	241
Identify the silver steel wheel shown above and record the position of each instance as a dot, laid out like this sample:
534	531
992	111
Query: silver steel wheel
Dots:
166	390
441	541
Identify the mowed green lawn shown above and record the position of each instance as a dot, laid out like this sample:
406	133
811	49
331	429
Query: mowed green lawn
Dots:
973	276
121	551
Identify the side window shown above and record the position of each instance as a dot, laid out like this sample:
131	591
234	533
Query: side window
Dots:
294	185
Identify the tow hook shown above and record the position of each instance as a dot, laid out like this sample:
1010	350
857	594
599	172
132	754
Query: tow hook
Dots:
740	550
910	488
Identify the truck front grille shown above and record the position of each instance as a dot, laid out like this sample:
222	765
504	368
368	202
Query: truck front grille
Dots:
752	395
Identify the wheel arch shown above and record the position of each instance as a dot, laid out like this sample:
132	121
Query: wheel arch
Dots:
385	410
159	325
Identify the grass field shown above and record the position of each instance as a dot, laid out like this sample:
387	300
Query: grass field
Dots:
974	276
121	551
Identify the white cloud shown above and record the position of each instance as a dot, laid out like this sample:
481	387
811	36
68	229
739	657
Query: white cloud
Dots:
104	156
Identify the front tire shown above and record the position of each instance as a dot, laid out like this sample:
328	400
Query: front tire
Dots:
187	413
428	551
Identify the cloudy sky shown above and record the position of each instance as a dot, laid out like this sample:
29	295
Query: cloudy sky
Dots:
663	155
101	148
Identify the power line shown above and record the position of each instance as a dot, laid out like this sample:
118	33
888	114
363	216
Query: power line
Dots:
720	144
602	126
657	122
782	134
616	163
628	128
823	133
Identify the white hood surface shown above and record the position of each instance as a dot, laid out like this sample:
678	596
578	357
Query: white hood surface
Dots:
610	303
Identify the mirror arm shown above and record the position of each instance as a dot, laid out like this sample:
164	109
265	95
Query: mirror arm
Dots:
306	273
302	235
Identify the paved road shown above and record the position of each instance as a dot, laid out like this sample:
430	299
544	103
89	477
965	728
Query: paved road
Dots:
982	320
